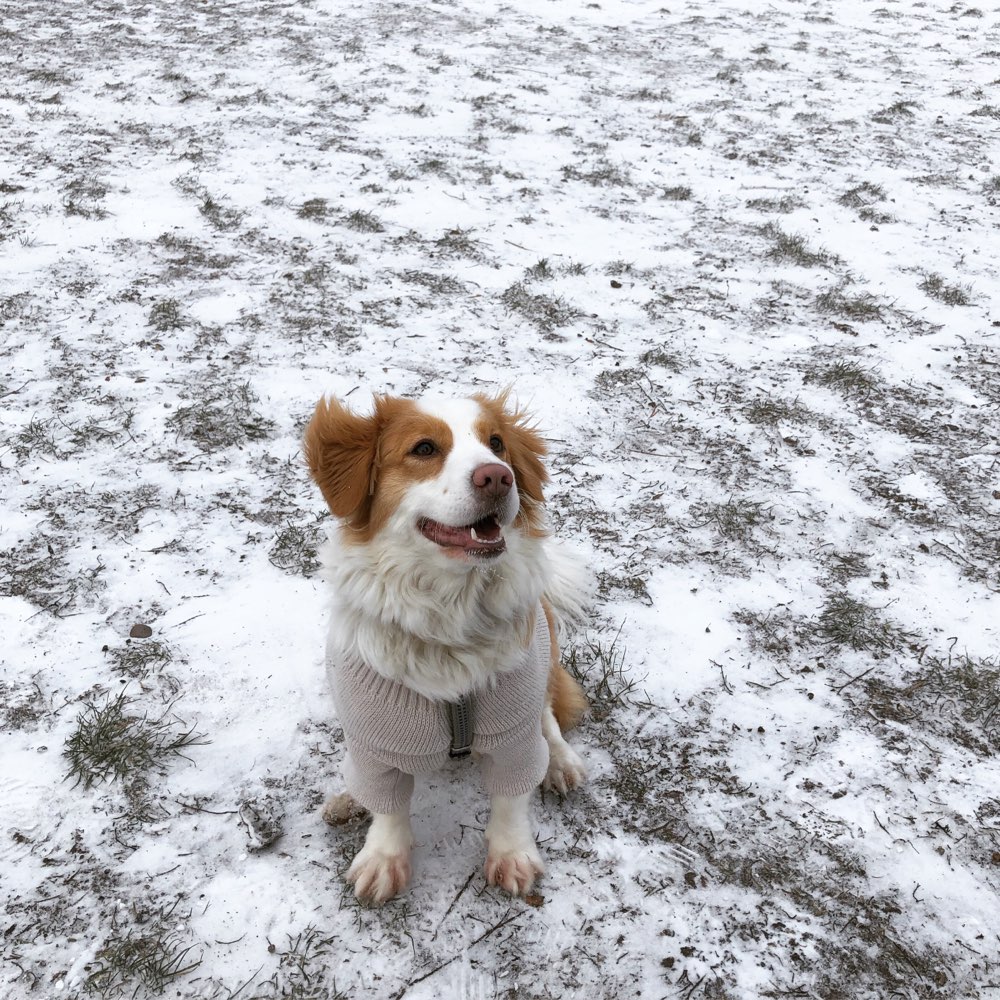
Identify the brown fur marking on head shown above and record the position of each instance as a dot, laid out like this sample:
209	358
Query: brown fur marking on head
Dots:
363	465
524	448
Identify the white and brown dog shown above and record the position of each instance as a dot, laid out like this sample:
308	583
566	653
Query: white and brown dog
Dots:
442	635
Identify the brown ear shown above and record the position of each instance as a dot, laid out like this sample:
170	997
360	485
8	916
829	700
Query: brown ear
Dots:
341	451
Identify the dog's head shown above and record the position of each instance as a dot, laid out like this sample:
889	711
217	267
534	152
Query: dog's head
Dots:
453	476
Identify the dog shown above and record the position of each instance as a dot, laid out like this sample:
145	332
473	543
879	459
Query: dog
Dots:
447	596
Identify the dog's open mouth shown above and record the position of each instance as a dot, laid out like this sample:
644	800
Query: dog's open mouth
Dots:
484	538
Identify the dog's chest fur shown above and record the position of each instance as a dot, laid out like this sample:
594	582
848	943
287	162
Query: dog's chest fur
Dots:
440	632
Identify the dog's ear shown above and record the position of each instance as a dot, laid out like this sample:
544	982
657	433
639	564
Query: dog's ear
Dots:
341	450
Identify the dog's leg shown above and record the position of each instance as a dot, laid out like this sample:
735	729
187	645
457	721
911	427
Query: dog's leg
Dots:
381	869
566	769
512	861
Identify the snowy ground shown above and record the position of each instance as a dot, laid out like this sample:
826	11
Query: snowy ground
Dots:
740	262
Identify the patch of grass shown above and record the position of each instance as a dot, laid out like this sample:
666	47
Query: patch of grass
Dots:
613	380
735	519
22	706
844	621
458	242
187	254
647	94
547	313
303	971
861	308
81	197
37	439
363	222
315	209
863	198
845	566
899	111
602	174
793	248
847	377
112	741
617	268
772	632
780	206
164	315
986	111
862	194
902	506
678	193
539	271
37	570
662	358
12	307
148	956
139	659
957	697
631	586
219	215
439	284
223	418
937	288
768	411
111	513
295	550
604	676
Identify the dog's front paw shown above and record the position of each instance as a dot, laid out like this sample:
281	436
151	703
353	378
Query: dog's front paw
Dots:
341	809
377	877
514	871
566	770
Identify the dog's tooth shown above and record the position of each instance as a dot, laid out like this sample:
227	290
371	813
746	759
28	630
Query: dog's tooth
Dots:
475	537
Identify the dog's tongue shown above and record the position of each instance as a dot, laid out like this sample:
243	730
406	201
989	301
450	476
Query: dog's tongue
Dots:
482	537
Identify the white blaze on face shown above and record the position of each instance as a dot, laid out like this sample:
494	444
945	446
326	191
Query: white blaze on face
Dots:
454	489
450	497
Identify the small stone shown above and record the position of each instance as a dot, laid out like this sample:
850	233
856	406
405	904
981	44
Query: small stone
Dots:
140	632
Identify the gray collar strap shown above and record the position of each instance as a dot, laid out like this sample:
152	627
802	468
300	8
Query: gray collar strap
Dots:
460	715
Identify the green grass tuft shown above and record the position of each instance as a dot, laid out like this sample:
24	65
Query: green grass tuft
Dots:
148	957
363	222
951	295
734	519
845	621
792	248
114	742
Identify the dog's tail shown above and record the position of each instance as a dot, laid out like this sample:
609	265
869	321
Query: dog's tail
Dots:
566	697
564	600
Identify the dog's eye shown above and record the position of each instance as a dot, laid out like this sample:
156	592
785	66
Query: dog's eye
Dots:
423	449
496	444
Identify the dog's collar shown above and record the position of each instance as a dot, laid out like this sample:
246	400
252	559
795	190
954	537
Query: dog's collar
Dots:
460	715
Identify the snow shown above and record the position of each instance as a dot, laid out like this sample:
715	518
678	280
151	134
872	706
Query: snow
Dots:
211	214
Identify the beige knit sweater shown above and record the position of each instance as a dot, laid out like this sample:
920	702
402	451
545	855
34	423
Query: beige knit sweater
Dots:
394	733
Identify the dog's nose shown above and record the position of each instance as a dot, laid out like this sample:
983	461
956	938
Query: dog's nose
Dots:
495	480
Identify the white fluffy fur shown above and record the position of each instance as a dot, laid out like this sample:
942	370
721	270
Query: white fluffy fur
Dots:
440	627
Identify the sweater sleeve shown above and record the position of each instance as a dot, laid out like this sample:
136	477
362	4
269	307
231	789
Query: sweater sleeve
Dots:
515	754
379	787
518	765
